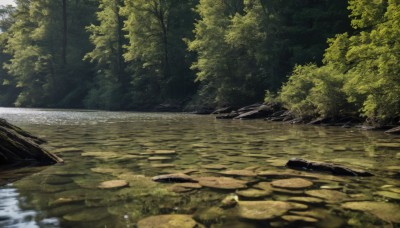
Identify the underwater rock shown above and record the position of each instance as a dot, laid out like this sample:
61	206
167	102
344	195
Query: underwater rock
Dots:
329	195
386	211
113	184
292	183
183	187
222	182
244	173
167	221
295	218
253	193
388	194
176	177
306	199
298	163
229	201
209	215
263	210
19	148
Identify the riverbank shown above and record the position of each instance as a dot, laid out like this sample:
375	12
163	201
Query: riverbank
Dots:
275	111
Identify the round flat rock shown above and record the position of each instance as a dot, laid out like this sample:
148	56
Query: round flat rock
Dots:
386	211
222	182
295	218
292	183
264	210
167	221
113	184
329	195
254	193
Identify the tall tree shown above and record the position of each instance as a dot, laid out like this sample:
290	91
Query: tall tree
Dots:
38	63
8	90
156	51
108	38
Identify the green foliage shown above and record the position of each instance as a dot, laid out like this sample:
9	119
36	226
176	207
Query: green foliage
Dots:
37	63
365	65
110	81
156	52
315	91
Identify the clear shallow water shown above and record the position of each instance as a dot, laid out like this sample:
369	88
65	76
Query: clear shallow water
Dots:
121	145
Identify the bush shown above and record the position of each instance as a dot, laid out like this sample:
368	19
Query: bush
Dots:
315	92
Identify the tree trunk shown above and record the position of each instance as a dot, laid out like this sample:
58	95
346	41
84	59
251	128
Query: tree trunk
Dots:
20	147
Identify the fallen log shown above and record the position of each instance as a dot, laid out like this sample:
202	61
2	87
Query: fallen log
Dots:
301	164
19	148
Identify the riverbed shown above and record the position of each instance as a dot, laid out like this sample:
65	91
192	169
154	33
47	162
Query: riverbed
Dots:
100	146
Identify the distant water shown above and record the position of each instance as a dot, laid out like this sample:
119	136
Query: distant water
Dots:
99	146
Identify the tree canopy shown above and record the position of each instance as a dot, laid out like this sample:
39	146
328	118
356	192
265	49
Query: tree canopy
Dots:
342	55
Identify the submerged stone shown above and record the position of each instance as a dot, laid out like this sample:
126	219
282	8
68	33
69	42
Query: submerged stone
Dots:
306	199
159	158
222	182
266	186
87	215
292	183
386	211
167	221
254	193
244	173
230	200
388	194
329	195
165	152
264	210
216	167
175	177
162	165
295	218
209	215
183	187
113	184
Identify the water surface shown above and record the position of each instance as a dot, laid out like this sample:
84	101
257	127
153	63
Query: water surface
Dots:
99	146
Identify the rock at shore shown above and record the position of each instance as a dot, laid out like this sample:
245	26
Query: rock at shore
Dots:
19	148
395	130
297	163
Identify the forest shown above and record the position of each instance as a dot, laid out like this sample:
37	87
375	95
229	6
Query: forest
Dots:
318	58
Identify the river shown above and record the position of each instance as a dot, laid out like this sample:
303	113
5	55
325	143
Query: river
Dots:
100	146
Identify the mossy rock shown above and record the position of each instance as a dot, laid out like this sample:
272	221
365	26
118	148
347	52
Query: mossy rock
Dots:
386	211
265	210
221	182
216	167
266	186
328	195
87	215
159	158
209	215
292	183
229	201
164	152
388	194
183	187
254	193
298	218
167	221
113	184
306	200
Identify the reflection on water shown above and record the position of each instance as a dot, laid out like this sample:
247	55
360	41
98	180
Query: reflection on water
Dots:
103	146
